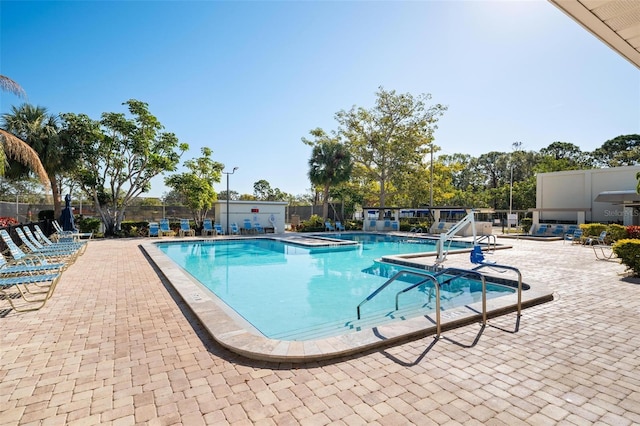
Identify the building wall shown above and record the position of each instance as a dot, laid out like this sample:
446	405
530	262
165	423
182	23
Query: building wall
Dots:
261	212
561	196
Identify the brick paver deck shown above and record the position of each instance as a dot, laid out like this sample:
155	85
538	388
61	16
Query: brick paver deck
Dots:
115	346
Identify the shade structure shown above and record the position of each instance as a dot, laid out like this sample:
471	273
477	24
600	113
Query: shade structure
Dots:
66	217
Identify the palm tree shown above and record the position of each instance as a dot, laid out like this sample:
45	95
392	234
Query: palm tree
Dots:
15	148
330	164
39	129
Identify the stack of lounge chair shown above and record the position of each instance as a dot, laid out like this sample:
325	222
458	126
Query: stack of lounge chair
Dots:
29	273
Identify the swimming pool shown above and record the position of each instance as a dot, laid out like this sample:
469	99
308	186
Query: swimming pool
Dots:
288	291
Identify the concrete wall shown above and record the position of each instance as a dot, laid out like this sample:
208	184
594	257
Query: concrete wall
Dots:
568	196
262	212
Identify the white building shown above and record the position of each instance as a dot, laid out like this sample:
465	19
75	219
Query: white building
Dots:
269	214
585	196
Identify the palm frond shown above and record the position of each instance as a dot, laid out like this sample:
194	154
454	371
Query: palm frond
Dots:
11	86
20	151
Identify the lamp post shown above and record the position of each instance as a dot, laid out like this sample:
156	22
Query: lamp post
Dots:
229	173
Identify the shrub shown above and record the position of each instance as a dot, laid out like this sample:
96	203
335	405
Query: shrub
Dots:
592	229
526	223
313	224
628	251
7	221
633	232
88	224
616	232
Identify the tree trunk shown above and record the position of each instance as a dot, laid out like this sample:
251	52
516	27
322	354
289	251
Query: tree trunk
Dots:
325	203
57	204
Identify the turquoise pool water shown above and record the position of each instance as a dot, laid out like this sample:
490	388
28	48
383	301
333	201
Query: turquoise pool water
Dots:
291	292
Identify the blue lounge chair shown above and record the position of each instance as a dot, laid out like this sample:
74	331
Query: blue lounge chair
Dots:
575	237
185	229
154	229
44	240
340	226
248	227
542	230
558	230
35	299
77	247
600	239
207	228
373	224
329	227
218	228
22	268
234	229
23	258
259	229
57	253
164	227
395	226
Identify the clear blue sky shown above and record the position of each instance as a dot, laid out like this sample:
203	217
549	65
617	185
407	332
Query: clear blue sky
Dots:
250	79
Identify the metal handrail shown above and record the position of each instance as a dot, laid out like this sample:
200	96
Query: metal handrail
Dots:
386	283
466	272
491	241
436	285
510	268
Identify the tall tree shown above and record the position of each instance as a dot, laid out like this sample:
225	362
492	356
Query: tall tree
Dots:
330	165
40	130
12	147
623	150
392	138
196	185
120	156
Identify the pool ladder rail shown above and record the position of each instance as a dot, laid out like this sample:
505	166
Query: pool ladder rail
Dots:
459	273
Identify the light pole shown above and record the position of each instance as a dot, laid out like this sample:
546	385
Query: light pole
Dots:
229	173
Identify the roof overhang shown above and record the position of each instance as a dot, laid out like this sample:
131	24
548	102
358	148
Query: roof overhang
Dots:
618	197
615	22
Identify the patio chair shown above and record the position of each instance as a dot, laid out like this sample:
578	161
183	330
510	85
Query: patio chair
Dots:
164	228
218	229
340	226
77	247
34	299
234	229
40	236
22	268
329	227
558	230
154	229
395	226
541	230
387	224
185	229
373	224
22	258
248	227
73	235
575	238
207	228
57	253
600	239
259	229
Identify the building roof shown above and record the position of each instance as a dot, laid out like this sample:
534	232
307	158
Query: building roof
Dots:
618	197
615	22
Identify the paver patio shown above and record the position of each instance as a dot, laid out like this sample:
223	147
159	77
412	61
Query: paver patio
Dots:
116	346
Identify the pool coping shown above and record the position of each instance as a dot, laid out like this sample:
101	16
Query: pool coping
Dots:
230	331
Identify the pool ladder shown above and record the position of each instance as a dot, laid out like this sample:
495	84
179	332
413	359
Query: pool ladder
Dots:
459	273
